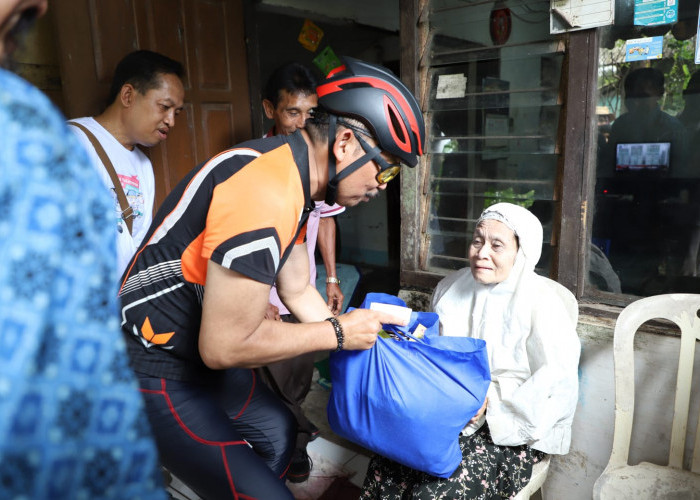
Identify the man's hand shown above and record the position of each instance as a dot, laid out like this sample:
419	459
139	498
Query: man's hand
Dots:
272	312
335	298
361	326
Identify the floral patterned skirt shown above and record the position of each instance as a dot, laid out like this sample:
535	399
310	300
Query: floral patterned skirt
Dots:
487	471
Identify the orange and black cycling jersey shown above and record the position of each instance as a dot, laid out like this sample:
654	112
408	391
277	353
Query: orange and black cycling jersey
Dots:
215	214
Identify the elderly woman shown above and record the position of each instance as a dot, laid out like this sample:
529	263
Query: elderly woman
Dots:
529	325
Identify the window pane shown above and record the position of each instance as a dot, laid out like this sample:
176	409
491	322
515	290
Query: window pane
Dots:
493	115
646	226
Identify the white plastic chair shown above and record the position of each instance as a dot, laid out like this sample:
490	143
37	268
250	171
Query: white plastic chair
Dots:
645	480
539	474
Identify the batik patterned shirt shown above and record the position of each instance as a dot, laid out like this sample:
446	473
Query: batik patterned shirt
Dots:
72	423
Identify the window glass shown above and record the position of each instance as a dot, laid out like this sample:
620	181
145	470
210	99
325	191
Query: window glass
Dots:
646	225
493	74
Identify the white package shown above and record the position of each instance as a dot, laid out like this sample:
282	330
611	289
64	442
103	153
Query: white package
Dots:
400	312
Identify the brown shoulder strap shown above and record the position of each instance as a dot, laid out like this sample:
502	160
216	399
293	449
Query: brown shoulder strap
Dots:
127	211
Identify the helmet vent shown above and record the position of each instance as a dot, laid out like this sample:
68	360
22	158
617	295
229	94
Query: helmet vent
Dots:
396	124
354	85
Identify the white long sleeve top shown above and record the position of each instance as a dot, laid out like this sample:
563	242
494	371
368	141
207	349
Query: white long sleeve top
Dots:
529	325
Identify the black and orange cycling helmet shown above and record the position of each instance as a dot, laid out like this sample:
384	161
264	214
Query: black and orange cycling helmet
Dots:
376	97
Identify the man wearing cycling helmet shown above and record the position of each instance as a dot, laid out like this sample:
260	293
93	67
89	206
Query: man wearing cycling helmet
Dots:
194	295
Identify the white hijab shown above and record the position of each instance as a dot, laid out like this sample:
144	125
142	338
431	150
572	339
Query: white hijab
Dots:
495	308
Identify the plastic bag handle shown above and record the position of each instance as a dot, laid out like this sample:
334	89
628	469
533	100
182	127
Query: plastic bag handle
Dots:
406	335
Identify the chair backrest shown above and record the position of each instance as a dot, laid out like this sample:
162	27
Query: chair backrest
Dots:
681	309
567	298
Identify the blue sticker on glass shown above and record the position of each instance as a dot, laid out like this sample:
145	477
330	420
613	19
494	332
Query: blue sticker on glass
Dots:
641	49
654	12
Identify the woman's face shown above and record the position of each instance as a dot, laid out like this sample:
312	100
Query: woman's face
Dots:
492	252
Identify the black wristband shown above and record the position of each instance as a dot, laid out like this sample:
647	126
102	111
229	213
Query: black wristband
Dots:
338	332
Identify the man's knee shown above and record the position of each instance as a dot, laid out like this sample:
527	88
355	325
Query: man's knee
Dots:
282	440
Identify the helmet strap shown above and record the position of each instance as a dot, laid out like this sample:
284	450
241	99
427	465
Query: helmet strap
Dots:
331	142
370	154
331	188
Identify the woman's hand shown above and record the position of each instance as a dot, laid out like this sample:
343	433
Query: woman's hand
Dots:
481	411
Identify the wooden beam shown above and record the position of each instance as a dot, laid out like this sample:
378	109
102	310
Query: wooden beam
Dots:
579	79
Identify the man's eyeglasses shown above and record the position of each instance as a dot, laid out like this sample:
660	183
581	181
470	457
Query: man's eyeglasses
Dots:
387	171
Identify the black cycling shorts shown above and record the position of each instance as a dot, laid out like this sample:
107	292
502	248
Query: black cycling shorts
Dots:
230	439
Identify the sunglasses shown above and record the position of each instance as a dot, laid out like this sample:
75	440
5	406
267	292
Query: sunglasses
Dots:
387	171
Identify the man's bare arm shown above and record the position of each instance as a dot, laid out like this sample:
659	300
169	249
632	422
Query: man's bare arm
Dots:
234	333
326	246
293	287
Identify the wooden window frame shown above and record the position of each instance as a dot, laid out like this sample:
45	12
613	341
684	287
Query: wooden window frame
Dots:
576	167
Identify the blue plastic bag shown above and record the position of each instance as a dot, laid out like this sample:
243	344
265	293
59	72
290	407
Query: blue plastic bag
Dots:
408	401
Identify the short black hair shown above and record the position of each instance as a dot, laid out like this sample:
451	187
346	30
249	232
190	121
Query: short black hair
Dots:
637	78
294	78
142	69
317	126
